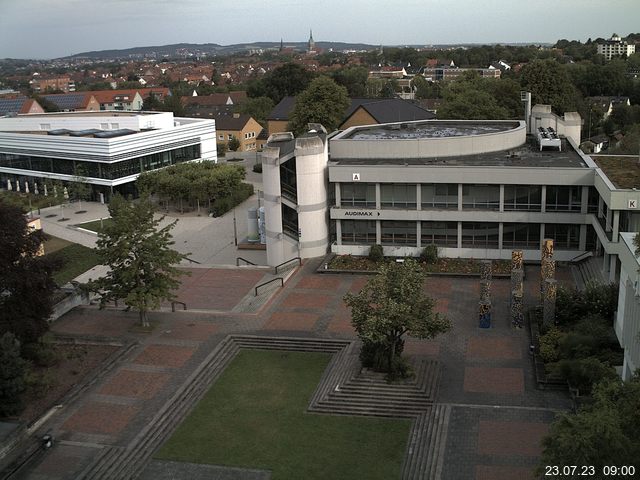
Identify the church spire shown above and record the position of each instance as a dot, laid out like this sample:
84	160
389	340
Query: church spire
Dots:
312	44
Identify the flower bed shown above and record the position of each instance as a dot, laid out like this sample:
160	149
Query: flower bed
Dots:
459	266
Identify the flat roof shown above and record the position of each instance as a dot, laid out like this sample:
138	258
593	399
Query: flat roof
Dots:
526	155
622	170
429	129
97	113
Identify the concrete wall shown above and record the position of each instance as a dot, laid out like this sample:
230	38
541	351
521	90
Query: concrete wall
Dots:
85	120
627	321
276	251
569	125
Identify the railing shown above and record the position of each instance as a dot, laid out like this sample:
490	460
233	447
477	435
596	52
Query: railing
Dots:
173	305
267	283
582	256
244	260
288	261
192	261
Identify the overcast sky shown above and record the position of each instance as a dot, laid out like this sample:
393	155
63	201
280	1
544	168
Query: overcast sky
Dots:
55	28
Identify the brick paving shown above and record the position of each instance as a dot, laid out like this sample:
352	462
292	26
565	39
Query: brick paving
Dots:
132	383
498	415
164	355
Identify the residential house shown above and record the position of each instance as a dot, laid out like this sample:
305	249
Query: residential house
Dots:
240	126
74	102
19	105
42	84
606	104
368	111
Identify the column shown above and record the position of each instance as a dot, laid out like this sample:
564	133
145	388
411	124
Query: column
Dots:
543	199
378	232
616	225
584	206
338	195
459	197
419	197
583	238
338	232
419	234
500	233
378	197
459	234
501	208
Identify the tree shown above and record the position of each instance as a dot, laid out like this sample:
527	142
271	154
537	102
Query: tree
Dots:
234	144
286	80
465	101
550	84
390	305
142	264
354	79
12	372
324	101
601	433
26	279
259	108
173	103
80	188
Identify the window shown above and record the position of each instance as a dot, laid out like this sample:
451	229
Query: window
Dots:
220	137
358	232
563	199
480	197
45	126
440	195
522	198
480	235
229	137
104	126
396	232
521	235
358	195
115	126
398	195
565	237
289	221
288	180
442	234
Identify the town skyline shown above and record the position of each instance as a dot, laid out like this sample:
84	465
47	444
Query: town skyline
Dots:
73	26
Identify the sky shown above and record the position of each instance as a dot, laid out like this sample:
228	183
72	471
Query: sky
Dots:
56	28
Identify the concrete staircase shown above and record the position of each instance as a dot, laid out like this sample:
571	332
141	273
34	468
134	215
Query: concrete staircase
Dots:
587	271
343	390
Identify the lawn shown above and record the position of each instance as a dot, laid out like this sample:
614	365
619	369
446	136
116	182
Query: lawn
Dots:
96	225
76	259
255	417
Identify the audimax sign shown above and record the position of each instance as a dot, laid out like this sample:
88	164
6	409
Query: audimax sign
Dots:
360	213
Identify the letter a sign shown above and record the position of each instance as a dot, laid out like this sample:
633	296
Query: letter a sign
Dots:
356	177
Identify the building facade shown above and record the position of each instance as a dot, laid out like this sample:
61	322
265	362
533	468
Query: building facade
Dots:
108	149
615	47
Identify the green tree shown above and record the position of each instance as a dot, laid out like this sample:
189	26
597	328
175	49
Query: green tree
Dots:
324	101
80	188
354	79
389	306
173	103
142	264
234	144
26	279
601	433
549	84
465	101
286	80
259	108
12	373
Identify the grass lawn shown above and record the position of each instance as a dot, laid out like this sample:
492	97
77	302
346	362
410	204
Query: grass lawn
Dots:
95	225
76	259
53	244
255	416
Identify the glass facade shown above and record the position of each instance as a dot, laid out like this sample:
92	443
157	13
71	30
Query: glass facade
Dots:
288	180
356	232
442	234
401	195
440	196
398	232
563	199
521	235
523	198
480	197
358	195
565	237
109	171
480	235
289	221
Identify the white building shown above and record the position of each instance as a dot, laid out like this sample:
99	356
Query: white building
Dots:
615	47
110	149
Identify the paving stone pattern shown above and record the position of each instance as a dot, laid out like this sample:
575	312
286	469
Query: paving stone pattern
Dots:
484	421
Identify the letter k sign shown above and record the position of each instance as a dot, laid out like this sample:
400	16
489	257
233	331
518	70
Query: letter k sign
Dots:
633	204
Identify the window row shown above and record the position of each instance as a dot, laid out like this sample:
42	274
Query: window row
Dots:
445	234
108	171
474	197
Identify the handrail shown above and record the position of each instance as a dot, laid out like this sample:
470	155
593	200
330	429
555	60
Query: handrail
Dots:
288	261
581	257
244	260
193	261
267	283
173	305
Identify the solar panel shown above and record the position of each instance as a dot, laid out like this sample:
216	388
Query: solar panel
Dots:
66	102
8	105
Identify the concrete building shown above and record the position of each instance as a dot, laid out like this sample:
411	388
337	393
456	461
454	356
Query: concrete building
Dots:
615	47
42	84
109	149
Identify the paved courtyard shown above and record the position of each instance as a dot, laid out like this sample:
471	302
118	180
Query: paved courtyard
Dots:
498	416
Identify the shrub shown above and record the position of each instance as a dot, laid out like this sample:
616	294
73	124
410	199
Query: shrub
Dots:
257	168
429	254
549	345
583	373
222	149
234	144
12	374
376	253
220	206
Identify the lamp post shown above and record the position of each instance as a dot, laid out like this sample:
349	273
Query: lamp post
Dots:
235	229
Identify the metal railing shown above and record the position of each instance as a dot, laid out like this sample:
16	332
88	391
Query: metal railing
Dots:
267	283
173	305
244	260
582	256
288	261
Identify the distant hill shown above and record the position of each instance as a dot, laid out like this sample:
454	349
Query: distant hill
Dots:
181	49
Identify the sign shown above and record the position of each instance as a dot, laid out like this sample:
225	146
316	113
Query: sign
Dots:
632	204
356	177
361	213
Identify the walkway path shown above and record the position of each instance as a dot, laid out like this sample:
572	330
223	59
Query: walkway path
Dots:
495	415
